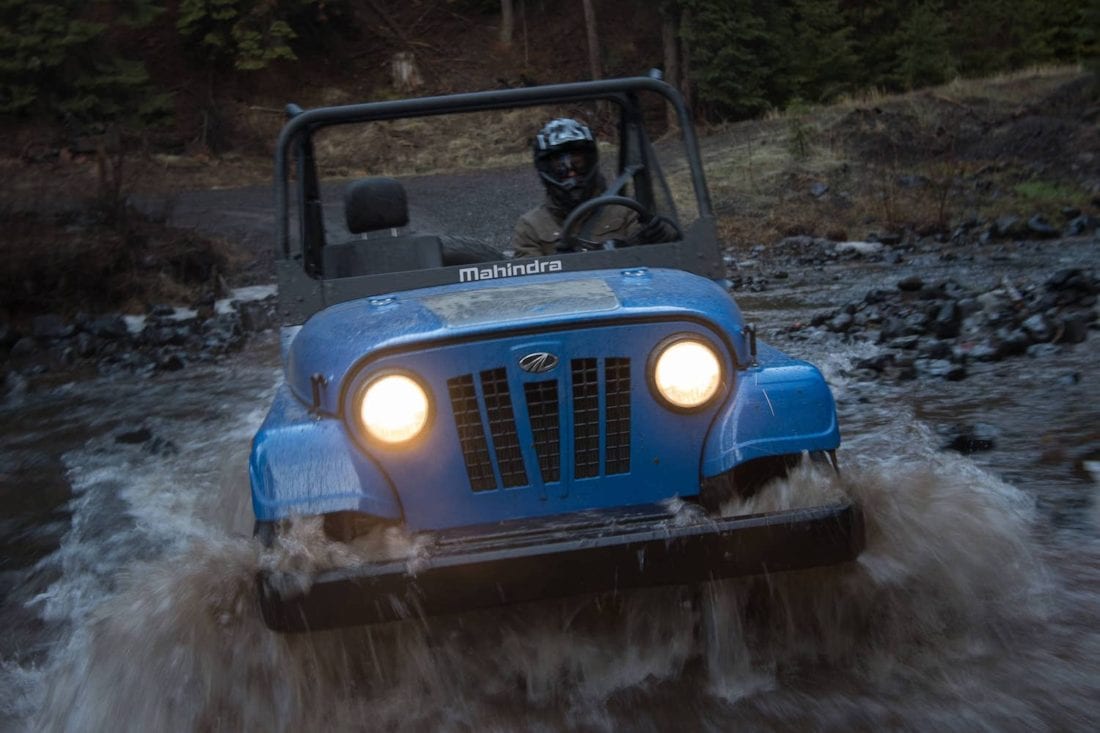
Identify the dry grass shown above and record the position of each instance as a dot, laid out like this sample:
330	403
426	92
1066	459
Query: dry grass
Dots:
919	161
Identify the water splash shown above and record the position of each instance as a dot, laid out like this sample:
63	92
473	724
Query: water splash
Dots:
949	575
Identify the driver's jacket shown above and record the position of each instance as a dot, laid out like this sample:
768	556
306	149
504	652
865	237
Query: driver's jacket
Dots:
538	232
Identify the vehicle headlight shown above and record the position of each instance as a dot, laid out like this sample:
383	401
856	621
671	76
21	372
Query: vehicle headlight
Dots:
393	408
687	372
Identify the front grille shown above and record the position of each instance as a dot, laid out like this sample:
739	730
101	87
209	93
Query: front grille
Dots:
597	395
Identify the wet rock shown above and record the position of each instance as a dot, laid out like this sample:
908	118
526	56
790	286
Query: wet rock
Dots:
942	368
967	439
24	348
1006	227
892	328
159	446
840	323
170	361
85	344
910	284
934	349
1083	224
1037	351
875	296
50	327
1075	329
161	310
877	363
905	343
112	326
985	351
1039	328
256	315
890	239
1039	227
163	335
862	249
947	320
1069	378
1014	343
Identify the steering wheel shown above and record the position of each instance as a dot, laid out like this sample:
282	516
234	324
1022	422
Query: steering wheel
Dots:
571	242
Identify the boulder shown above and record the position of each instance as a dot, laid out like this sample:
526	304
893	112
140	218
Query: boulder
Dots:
1038	226
967	439
910	284
50	327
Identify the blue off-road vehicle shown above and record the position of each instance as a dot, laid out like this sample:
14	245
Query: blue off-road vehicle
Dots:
535	427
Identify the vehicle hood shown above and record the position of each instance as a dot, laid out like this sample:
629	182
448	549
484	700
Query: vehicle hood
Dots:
341	338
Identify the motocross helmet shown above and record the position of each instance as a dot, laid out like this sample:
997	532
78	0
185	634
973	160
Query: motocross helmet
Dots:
567	160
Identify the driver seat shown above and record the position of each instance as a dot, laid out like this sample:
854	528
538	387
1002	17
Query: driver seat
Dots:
373	205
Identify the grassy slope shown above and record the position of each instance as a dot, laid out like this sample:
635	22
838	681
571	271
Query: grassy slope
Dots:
925	161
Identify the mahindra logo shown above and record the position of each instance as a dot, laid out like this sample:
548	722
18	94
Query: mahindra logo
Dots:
538	362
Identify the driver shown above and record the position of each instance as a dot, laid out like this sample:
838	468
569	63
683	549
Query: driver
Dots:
567	160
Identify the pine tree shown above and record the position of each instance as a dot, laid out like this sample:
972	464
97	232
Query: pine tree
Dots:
821	59
56	62
924	46
734	58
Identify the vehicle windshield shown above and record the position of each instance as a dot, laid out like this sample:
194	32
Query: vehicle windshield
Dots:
471	175
407	194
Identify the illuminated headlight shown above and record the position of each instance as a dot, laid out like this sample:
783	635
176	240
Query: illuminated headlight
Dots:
687	373
393	408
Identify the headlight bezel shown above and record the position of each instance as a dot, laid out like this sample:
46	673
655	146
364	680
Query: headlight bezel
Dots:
659	350
354	417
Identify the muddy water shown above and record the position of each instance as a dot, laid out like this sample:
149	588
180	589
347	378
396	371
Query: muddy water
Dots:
129	600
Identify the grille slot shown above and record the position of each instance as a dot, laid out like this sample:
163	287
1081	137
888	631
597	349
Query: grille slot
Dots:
617	391
586	418
543	409
502	427
471	435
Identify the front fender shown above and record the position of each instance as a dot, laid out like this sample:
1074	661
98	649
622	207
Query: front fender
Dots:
304	465
779	406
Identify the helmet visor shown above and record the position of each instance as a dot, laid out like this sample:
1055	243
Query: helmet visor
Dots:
570	165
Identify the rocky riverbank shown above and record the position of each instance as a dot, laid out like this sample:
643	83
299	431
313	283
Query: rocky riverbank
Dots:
937	328
166	338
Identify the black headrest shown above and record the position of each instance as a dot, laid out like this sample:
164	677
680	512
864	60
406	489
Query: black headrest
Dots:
375	203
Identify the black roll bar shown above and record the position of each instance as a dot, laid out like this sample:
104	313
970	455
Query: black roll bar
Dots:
306	122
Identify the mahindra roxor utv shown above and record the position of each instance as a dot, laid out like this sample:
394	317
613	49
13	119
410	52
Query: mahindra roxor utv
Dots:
547	426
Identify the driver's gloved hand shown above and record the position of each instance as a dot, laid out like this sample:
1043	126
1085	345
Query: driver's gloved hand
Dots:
658	229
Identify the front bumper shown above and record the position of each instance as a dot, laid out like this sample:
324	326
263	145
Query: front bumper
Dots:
586	553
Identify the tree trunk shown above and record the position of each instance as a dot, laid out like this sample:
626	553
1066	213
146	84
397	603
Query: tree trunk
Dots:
593	40
507	23
670	32
406	75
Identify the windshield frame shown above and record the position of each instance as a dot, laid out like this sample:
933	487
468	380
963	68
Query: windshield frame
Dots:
302	294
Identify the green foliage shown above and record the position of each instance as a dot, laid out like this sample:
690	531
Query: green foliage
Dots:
799	133
739	56
822	61
924	52
1040	191
55	61
249	34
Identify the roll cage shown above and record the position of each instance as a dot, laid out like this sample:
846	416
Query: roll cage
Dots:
306	288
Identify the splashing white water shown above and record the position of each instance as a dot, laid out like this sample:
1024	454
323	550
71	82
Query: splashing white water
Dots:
948	573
